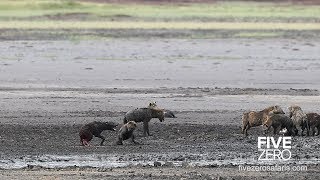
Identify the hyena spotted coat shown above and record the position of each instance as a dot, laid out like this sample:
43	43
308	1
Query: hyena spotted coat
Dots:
126	132
314	123
279	122
94	129
256	118
299	119
144	115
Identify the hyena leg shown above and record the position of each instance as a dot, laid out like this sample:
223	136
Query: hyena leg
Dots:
296	131
245	123
303	127
146	128
246	130
119	142
308	128
300	130
275	130
148	131
132	139
308	132
313	130
318	130
278	129
244	126
103	139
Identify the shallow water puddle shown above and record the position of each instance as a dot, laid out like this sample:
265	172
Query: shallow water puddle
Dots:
152	159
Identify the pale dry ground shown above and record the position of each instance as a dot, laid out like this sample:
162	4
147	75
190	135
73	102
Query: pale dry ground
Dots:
171	63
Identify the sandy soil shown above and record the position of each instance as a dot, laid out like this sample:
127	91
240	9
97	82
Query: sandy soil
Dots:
62	85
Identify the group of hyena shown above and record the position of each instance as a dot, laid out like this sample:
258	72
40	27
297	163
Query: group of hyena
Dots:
274	117
143	115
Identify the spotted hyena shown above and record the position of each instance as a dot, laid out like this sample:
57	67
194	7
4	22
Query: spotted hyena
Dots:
279	122
256	118
313	122
94	129
299	119
126	132
144	115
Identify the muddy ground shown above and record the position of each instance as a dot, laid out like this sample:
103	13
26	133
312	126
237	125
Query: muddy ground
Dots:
39	135
50	88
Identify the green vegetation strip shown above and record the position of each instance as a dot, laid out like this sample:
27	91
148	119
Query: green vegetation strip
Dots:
156	25
32	8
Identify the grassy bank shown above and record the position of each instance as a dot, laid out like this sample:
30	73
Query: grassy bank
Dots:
260	19
33	8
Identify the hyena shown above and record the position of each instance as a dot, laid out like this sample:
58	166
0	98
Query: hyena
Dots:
126	132
94	129
256	118
299	119
279	122
313	122
144	115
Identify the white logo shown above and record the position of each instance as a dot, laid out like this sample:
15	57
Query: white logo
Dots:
274	149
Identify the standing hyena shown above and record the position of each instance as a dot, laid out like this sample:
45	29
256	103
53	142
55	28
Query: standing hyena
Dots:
299	119
95	128
279	122
256	118
313	122
144	115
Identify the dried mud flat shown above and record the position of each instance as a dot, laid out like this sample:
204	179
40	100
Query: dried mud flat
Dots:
62	85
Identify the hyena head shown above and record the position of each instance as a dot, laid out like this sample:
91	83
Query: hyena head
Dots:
153	105
109	126
131	125
277	110
293	109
